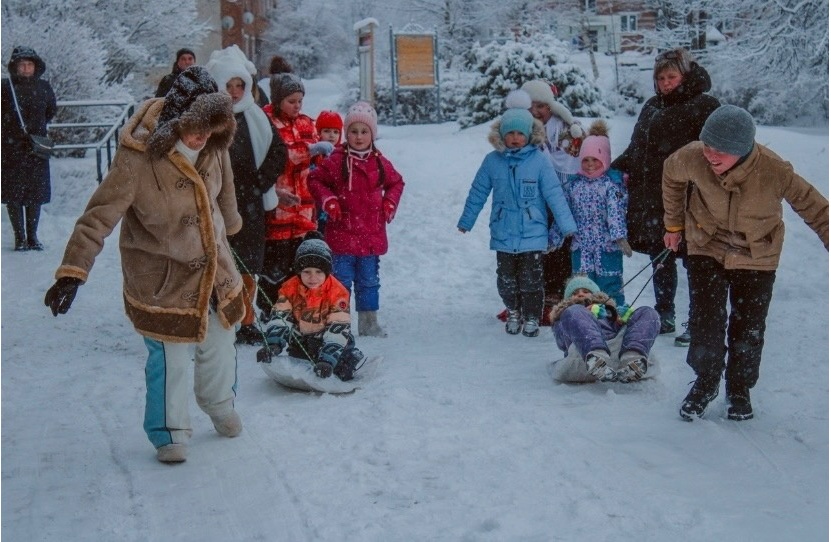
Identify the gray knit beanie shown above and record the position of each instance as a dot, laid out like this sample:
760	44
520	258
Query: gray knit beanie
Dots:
729	129
282	85
313	252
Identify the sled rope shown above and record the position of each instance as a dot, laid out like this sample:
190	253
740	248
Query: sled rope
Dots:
659	261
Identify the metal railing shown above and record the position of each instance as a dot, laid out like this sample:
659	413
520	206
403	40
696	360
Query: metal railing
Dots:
108	142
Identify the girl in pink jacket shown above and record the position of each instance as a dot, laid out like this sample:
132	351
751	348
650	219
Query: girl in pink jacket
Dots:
359	189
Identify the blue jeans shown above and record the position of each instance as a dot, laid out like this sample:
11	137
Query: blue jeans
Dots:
363	271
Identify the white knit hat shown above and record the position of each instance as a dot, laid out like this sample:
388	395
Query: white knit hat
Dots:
540	91
362	112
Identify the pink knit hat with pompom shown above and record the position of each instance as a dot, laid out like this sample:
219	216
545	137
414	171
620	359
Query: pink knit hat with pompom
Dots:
362	112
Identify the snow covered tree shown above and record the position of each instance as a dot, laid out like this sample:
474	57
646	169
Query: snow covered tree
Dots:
312	36
504	67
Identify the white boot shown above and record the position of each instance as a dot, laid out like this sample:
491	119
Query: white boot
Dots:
172	453
368	324
229	425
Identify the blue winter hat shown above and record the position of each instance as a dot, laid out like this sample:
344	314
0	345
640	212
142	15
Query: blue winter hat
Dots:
516	120
729	129
579	281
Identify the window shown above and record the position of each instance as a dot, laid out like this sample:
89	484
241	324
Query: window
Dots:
591	5
628	23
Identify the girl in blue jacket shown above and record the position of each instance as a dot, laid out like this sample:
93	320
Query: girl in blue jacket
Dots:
523	182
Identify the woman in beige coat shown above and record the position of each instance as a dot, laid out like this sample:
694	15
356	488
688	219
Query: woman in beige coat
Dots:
732	222
171	184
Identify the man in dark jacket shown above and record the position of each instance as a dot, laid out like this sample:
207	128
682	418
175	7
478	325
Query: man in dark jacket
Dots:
26	183
184	59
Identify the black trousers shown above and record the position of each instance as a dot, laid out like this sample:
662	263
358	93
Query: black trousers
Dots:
749	293
519	281
557	270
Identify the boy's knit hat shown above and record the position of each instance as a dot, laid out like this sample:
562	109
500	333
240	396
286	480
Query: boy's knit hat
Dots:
331	120
516	120
362	112
284	84
580	281
313	252
597	145
729	129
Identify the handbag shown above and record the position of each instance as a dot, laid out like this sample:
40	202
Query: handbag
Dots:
42	146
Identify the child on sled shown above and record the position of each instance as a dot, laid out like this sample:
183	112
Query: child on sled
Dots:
311	315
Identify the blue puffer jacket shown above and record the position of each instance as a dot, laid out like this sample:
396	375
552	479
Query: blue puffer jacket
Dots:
523	182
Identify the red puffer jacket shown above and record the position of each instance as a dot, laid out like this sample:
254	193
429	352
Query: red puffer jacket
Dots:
287	222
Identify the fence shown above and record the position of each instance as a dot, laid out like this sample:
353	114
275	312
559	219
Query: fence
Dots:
108	142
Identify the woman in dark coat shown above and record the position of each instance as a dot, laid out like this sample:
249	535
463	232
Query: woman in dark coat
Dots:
258	156
26	184
668	121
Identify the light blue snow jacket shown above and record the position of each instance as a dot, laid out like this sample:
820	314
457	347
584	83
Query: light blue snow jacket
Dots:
523	181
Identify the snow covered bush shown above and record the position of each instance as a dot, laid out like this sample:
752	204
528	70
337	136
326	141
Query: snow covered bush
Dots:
630	93
504	67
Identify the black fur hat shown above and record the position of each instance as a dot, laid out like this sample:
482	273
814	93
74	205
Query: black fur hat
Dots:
313	252
193	103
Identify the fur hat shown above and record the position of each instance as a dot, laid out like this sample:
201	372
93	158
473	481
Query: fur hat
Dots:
580	281
362	112
313	252
284	84
729	129
518	99
193	104
331	120
226	64
539	91
26	53
597	145
516	120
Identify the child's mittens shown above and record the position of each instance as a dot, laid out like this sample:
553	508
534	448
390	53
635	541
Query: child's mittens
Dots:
624	247
332	208
287	198
389	210
321	148
599	310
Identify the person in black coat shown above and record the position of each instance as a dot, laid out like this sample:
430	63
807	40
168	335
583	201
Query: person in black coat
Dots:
185	58
258	156
26	182
668	121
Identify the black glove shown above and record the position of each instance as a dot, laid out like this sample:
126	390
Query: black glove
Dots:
60	296
323	369
268	351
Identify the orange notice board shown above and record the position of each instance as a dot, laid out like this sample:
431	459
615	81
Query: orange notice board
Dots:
416	66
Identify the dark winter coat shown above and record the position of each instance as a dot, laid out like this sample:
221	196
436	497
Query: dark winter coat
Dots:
167	81
25	177
250	183
361	191
666	124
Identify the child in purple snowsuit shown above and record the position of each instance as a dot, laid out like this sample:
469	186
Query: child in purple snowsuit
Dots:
598	199
602	341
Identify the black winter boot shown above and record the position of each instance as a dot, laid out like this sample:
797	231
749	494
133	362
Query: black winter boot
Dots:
16	218
738	398
32	220
704	390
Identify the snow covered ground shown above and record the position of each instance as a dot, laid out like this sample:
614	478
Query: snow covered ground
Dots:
461	435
